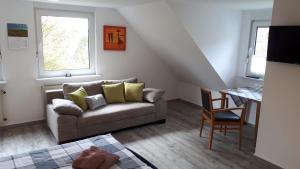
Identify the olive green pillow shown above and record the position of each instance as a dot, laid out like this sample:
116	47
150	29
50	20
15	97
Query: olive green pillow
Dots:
78	97
114	93
134	92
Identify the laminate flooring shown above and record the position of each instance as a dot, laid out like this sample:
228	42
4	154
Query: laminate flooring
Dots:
172	145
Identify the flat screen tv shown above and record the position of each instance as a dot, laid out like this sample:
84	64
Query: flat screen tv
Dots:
284	44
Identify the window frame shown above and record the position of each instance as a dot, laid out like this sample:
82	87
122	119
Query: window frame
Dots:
255	24
91	43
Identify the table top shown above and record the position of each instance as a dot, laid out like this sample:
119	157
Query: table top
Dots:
245	92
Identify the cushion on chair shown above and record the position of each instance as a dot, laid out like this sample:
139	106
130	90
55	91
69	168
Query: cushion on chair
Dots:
226	116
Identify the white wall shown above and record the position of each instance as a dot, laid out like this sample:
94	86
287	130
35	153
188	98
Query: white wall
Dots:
215	29
160	28
24	103
278	133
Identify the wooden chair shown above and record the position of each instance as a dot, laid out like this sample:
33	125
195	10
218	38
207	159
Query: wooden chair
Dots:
217	118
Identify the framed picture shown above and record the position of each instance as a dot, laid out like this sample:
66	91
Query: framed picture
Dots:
114	38
17	36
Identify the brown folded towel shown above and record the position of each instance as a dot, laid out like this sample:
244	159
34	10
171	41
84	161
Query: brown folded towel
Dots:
110	160
89	159
94	158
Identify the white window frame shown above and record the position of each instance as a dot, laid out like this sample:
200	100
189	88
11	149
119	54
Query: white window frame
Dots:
252	44
59	13
1	61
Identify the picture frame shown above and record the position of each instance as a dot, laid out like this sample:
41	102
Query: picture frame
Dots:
114	38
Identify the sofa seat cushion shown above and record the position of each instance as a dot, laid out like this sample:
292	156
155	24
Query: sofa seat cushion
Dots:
115	112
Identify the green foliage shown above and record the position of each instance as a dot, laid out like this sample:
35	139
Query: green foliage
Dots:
63	48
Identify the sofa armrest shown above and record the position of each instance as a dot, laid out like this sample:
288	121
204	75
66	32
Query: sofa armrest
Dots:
53	94
63	127
161	109
152	95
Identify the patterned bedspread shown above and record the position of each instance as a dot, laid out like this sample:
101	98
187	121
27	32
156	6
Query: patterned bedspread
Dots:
62	156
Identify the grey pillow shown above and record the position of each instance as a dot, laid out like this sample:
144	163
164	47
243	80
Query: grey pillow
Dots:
152	95
95	101
92	88
66	107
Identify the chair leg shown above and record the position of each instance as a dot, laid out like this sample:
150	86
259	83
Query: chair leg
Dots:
225	130
201	125
241	136
211	135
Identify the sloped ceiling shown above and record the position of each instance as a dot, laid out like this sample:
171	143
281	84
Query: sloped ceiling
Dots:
236	4
216	31
164	33
98	3
240	4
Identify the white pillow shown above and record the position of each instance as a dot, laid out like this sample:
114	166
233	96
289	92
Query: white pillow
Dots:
95	101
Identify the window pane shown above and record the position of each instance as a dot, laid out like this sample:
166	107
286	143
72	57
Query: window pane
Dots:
258	61
258	65
261	45
65	43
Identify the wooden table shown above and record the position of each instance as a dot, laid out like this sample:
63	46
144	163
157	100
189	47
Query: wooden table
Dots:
251	95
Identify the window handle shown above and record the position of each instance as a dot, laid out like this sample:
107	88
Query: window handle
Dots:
68	75
250	53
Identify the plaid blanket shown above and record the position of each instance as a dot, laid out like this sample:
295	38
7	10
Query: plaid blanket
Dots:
62	156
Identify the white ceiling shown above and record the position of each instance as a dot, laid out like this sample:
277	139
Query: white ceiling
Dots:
239	4
98	3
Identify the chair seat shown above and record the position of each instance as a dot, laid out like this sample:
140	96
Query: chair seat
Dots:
226	116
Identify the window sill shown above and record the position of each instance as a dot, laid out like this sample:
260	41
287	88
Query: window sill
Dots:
252	79
2	82
60	80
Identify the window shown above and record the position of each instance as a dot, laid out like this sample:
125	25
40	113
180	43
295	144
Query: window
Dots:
65	43
258	47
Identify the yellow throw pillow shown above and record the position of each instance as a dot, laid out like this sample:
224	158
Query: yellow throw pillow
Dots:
78	97
134	92
114	93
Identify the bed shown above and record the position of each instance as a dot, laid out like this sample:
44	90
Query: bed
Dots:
62	156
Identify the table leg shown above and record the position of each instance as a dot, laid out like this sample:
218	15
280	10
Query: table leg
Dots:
223	96
258	105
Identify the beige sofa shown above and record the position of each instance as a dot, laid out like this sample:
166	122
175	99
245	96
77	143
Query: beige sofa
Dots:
108	118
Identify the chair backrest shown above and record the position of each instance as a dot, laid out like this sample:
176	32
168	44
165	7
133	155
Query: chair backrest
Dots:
206	99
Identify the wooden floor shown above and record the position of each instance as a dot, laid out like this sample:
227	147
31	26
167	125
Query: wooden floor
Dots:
173	145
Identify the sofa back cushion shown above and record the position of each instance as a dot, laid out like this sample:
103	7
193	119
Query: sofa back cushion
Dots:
134	92
129	80
92	88
114	93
